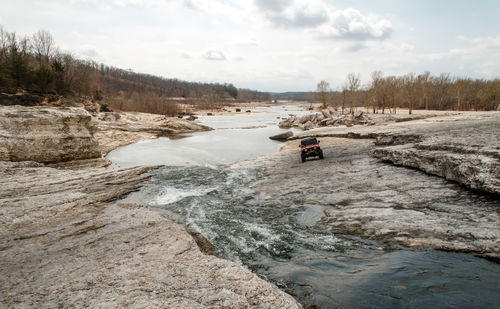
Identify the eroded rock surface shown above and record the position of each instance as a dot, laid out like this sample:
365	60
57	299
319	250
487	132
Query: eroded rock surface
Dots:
50	134
362	196
119	129
461	147
467	152
333	118
45	134
65	243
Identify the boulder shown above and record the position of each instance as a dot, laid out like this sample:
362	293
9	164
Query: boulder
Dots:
46	134
306	118
109	116
326	113
308	126
282	136
287	123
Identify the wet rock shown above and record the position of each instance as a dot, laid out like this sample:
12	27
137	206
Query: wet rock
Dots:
282	136
365	197
46	134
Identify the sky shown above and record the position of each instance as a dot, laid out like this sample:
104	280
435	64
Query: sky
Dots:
271	45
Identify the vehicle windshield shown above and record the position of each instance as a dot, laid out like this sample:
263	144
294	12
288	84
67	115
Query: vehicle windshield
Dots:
308	142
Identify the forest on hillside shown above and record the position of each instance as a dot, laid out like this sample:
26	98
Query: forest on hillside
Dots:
34	63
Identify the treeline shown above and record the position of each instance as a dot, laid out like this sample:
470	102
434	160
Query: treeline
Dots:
252	95
35	63
423	91
294	96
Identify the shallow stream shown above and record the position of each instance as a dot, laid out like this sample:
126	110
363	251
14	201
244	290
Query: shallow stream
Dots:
280	240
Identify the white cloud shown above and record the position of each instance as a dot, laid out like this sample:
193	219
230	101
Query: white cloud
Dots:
273	5
478	47
214	55
245	42
298	13
90	52
324	20
405	47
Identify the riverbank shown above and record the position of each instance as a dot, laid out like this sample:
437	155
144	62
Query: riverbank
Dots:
67	240
395	204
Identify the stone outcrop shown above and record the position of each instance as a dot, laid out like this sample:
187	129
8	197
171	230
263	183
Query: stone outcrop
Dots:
46	134
459	147
461	151
332	118
326	118
282	136
65	242
360	195
119	129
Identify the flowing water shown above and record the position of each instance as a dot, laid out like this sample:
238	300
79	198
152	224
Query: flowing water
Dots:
280	240
236	137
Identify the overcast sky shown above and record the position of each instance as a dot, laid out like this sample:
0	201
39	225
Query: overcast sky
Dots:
271	45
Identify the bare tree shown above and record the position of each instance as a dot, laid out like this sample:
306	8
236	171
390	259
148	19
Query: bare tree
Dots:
322	91
460	89
392	86
42	43
441	90
423	89
411	91
4	43
378	86
353	82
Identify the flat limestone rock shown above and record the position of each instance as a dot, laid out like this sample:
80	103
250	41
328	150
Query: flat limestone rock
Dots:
63	245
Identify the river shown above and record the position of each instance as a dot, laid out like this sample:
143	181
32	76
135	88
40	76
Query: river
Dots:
282	238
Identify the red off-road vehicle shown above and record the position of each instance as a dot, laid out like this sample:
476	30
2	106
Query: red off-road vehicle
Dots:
310	148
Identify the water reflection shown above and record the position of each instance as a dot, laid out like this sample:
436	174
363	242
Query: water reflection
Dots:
236	137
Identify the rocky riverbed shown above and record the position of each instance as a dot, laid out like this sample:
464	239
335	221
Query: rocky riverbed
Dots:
66	239
381	202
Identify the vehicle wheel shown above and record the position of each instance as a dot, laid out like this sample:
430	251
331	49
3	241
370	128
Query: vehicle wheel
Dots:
303	156
320	152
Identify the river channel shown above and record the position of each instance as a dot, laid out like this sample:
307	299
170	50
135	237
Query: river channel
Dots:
281	238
